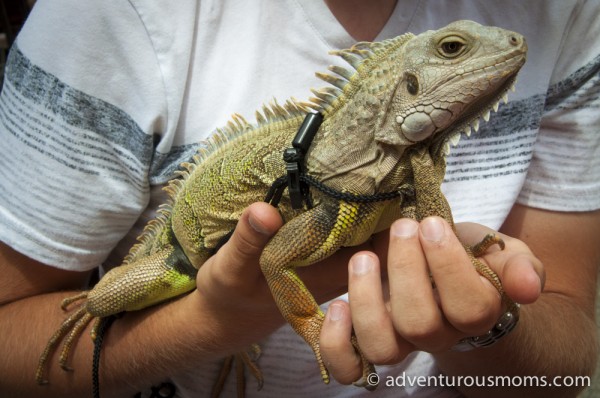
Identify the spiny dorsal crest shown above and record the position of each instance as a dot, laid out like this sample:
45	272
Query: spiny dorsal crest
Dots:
363	57
236	127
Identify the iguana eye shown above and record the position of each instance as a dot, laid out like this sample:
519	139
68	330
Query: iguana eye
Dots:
452	47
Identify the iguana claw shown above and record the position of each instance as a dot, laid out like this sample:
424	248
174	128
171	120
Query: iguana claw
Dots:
243	360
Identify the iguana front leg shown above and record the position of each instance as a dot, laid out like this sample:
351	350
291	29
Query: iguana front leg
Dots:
430	201
306	239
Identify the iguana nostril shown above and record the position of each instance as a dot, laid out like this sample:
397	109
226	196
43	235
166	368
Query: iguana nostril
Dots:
514	40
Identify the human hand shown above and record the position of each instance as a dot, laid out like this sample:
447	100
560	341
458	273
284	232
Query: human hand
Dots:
404	314
232	295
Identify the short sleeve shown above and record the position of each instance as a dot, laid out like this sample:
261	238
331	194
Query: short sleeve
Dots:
81	99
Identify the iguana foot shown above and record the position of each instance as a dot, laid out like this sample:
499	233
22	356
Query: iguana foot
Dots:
488	241
76	331
309	328
484	270
369	378
243	359
220	382
249	359
72	327
64	305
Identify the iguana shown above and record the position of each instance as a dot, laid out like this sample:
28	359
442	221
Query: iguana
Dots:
388	120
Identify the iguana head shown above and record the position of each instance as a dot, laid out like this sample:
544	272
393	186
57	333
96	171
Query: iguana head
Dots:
430	87
452	77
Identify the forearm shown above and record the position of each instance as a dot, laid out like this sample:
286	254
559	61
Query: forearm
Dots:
128	365
555	337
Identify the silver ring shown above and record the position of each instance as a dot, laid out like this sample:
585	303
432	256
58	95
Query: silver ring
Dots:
505	324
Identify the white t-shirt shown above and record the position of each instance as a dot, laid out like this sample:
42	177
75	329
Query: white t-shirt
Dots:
103	99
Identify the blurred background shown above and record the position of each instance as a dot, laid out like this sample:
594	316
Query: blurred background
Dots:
12	16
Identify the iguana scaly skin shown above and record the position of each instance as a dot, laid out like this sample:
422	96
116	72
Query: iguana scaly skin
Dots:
387	123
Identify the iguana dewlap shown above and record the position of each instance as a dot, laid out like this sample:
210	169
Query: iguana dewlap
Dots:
388	121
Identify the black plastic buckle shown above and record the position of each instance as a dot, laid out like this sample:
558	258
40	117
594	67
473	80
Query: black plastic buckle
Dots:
293	173
294	158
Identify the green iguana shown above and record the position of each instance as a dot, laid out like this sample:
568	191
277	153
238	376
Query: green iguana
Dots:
387	123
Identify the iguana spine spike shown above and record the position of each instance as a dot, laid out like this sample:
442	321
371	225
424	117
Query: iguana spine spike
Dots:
343	72
352	59
323	94
364	45
312	106
190	167
259	117
333	91
320	104
181	173
165	209
336	81
268	113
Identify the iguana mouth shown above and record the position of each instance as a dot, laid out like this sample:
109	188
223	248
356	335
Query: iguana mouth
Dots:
471	119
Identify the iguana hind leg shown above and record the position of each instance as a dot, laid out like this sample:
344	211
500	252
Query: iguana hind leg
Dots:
306	239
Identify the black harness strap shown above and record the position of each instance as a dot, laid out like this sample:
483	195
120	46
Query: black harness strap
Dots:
350	197
275	192
298	181
104	324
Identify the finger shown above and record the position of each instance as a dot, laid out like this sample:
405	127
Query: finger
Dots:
328	279
337	351
469	301
522	278
522	274
414	308
372	322
236	263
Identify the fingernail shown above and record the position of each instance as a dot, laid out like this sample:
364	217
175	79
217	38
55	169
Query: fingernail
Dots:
433	229
361	264
404	228
257	226
335	312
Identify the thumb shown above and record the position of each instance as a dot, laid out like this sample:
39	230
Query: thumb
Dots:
237	261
